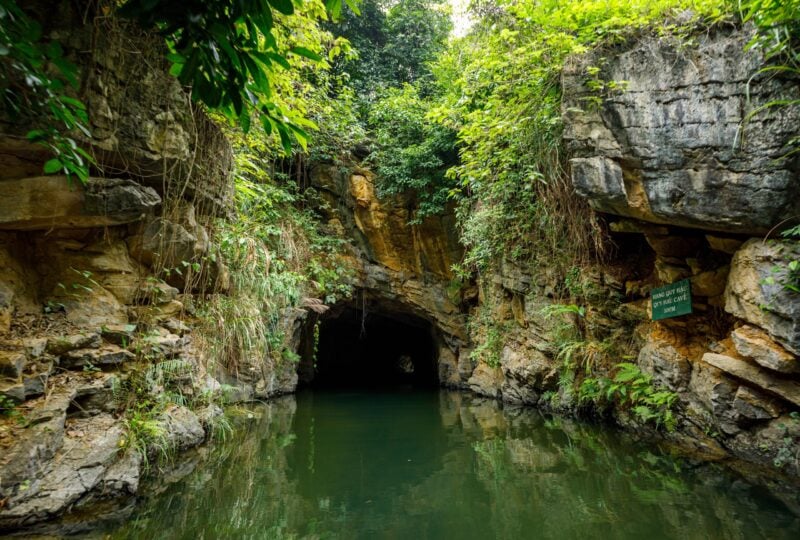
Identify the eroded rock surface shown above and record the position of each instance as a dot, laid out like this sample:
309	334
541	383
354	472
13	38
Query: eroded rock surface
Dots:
53	202
757	291
673	146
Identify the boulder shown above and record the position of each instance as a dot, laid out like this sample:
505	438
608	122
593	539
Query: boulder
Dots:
756	290
161	343
670	273
170	242
754	343
665	363
182	428
89	450
741	369
12	390
675	245
723	244
716	392
163	243
486	381
35	347
119	334
53	202
69	268
527	374
710	283
448	368
35	384
94	309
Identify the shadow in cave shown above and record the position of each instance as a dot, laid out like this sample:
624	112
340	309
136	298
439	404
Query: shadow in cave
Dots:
364	349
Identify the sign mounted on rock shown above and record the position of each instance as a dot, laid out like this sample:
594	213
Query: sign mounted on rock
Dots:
672	300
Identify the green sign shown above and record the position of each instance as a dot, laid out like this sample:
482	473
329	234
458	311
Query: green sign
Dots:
672	300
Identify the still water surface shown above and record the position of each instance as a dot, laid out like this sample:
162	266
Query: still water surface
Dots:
445	465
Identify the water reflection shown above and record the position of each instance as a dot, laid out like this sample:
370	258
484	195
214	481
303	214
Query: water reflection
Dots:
445	465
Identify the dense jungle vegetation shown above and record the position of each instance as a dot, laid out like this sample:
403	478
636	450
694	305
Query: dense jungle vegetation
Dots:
470	124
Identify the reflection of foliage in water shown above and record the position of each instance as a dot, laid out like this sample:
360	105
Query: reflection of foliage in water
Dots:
501	473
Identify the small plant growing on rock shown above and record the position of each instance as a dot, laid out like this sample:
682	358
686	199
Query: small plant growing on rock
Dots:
9	409
634	390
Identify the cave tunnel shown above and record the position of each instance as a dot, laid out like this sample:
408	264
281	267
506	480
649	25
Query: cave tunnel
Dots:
372	347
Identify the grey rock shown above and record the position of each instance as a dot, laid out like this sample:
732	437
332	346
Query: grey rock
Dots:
448	368
182	428
716	392
756	344
667	366
486	381
723	244
755	291
176	326
35	347
37	444
162	344
63	344
167	244
108	355
526	375
668	149
123	200
35	385
95	309
466	365
12	390
754	405
90	449
119	334
786	389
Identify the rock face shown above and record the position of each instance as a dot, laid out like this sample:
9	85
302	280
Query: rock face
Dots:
142	123
398	266
788	390
670	147
670	156
80	263
756	344
757	291
53	202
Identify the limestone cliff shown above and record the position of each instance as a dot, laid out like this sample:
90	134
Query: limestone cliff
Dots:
691	185
85	307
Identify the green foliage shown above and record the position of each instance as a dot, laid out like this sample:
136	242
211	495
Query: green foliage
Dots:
778	25
9	409
396	40
228	53
633	390
417	32
411	152
37	81
489	348
277	254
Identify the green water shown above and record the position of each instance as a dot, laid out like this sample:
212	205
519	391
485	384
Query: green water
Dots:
444	465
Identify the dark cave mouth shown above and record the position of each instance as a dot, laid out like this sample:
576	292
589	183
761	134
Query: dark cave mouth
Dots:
365	349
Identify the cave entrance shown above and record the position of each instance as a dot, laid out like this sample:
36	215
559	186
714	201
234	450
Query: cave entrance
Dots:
365	348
